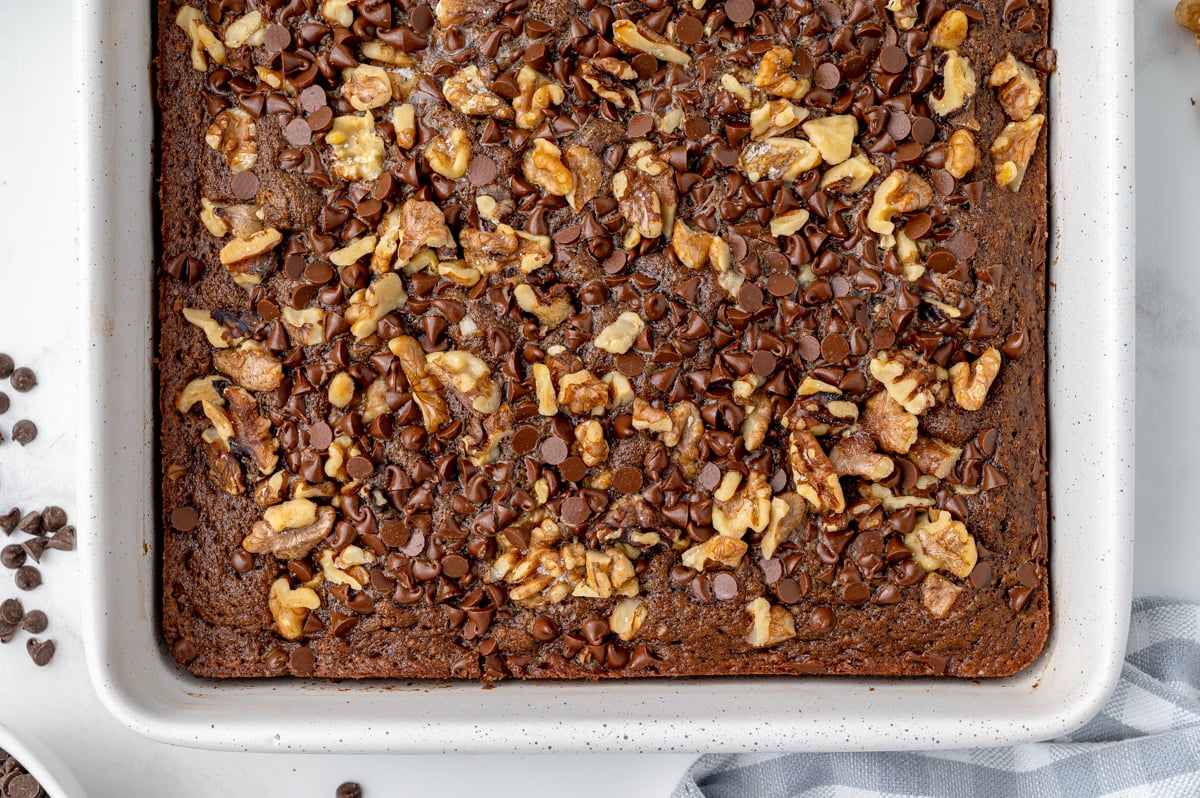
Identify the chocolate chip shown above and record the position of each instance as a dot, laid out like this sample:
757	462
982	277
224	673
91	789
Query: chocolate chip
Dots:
689	30
892	59
12	556
6	366
750	297
739	11
12	611
788	591
35	622
244	185
31	523
627	480
764	363
482	170
572	469
34	548
524	440
277	38
710	476
4	403
923	129
301	661
63	539
724	586
575	510
822	619
554	450
54	518
24	432
184	518
28	577
24	785
349	789
781	285
360	467
320	119
544	629
640	125
41	652
828	76
631	364
834	348
23	380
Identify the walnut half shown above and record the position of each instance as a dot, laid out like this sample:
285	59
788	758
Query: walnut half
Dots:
290	542
770	624
290	607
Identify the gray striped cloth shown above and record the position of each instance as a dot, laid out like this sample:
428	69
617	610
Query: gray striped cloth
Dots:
1145	742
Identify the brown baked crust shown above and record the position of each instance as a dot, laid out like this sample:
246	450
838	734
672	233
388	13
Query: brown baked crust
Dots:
216	620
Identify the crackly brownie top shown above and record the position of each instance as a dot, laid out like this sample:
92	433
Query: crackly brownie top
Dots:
534	294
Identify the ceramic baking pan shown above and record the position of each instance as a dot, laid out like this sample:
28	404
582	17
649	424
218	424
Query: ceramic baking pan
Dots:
1091	334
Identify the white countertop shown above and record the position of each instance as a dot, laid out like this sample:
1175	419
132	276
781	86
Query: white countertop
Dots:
39	327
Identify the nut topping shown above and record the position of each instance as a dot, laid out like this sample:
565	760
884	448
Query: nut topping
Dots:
367	87
1012	150
939	542
938	594
295	539
971	383
251	365
911	380
233	134
427	390
813	474
770	624
467	91
356	150
290	607
629	35
468	376
449	155
1017	88
774	75
191	20
536	93
958	85
544	168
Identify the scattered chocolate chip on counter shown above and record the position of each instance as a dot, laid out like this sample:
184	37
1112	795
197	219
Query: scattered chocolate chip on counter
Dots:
24	432
4	403
40	651
28	578
23	380
6	366
349	789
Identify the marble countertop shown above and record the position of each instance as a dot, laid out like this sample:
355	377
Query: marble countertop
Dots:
40	327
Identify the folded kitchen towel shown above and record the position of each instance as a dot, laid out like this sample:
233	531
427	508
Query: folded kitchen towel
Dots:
1145	742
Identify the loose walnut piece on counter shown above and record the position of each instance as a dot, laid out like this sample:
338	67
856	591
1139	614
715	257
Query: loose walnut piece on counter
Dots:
950	31
449	155
1018	88
770	624
191	20
972	382
290	542
939	542
356	150
938	594
251	365
813	474
1187	15
233	134
426	389
290	607
774	75
468	93
628	34
958	85
1012	150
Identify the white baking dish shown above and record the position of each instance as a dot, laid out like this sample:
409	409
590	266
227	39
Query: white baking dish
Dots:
1091	458
39	762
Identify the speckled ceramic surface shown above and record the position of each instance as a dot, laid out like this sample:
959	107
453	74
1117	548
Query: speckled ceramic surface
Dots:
51	773
1091	456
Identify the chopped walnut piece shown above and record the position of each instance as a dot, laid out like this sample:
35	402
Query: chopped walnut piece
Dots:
356	150
582	394
627	619
813	474
958	85
341	390
345	567
627	34
855	455
938	594
641	206
543	166
224	470
366	87
251	365
900	192
353	251
240	250
426	389
775	118
620	388
950	31
468	93
789	223
450	13
934	457
290	607
492	252
449	155
218	334
909	378
778	158
305	326
961	154
201	389
748	508
369	305
291	541
904	12
551	314
687	430
972	382
717	551
211	218
535	93
469	376
607	573
648	417
588	174
938	542
788	512
757	421
695	248
407	230
251	432
773	75
338	12
543	384
191	20
604	76
1012	150
1018	88
233	134
833	136
850	176
770	624
619	336
590	443
404	122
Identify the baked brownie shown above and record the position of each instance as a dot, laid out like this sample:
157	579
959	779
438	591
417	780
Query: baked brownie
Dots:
560	339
